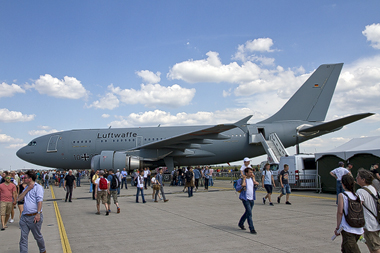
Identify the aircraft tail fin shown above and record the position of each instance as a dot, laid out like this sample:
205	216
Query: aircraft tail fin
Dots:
312	100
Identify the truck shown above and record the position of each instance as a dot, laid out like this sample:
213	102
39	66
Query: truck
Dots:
302	169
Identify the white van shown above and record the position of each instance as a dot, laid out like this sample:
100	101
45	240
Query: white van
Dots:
302	169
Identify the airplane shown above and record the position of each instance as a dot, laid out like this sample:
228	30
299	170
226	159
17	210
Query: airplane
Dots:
300	119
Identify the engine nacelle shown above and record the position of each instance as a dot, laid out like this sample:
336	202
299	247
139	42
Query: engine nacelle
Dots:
115	160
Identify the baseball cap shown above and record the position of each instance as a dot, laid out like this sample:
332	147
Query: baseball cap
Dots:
247	159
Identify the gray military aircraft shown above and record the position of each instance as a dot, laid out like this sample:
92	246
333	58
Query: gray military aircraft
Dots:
300	119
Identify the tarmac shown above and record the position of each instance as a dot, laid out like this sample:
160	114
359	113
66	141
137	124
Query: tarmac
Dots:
206	222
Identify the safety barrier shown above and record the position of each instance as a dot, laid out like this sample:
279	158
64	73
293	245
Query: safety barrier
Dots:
310	181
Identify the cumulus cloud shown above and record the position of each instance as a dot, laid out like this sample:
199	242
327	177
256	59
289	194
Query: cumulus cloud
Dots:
250	77
149	77
69	87
105	116
372	32
7	90
245	52
359	85
13	116
109	101
153	118
152	95
8	139
42	130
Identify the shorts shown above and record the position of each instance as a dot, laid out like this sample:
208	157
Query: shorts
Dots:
6	208
372	239
268	187
286	189
112	194
350	242
101	196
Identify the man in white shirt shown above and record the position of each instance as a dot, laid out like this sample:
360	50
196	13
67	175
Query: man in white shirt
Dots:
338	173
146	171
124	179
367	194
140	187
102	188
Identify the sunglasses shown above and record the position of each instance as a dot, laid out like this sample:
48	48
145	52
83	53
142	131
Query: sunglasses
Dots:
8	178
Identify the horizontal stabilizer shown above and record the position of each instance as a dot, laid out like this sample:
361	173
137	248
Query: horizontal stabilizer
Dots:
335	124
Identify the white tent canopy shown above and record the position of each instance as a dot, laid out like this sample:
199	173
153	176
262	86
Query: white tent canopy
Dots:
365	145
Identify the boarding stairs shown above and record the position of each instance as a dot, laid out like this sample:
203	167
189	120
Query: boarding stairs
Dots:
273	146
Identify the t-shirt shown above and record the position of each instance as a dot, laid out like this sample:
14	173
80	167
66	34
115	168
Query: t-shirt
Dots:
340	172
97	182
146	173
249	185
375	171
6	192
109	178
371	223
267	177
70	180
285	177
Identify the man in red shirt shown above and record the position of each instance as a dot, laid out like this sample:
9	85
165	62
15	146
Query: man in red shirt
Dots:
7	192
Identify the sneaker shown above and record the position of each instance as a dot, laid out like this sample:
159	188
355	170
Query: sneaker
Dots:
97	213
242	227
278	200
166	200
264	201
288	203
109	210
253	232
11	221
118	210
271	204
107	213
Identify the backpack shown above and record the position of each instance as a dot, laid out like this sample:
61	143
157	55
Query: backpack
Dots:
377	203
189	176
355	214
103	184
47	177
235	184
114	182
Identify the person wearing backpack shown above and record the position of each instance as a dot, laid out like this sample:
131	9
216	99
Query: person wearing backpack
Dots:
114	185
189	177
344	215
102	187
369	197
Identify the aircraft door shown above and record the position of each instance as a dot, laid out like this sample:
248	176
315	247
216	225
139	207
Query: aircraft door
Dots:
52	144
139	141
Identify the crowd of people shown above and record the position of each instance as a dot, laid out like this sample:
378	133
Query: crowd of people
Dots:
25	190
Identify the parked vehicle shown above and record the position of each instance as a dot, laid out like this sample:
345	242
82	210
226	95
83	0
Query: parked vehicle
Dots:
302	169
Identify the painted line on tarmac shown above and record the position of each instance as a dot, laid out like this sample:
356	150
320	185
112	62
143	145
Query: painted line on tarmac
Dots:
305	196
62	232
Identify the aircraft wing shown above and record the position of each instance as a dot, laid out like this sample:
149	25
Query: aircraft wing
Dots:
193	139
335	124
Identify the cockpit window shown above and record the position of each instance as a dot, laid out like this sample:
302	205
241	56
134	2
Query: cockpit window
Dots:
32	143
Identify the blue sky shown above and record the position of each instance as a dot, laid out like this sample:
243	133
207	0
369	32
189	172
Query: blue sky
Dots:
94	64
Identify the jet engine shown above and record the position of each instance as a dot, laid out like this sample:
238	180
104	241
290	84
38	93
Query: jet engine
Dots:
115	160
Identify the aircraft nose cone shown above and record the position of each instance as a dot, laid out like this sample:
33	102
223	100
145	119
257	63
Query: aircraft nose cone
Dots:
21	153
